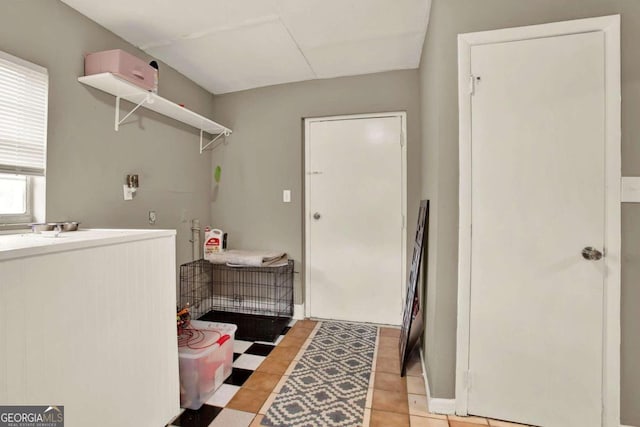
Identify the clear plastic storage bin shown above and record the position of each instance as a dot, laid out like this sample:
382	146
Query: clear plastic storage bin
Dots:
206	356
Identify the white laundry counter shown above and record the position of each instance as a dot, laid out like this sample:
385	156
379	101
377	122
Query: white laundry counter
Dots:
87	320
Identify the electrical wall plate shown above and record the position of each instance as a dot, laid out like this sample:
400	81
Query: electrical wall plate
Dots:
630	189
128	192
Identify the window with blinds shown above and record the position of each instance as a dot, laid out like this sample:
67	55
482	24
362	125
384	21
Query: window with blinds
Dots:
23	138
23	116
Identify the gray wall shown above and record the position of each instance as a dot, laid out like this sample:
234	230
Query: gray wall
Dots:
438	77
265	154
86	159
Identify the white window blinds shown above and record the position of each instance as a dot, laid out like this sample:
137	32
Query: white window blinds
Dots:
23	116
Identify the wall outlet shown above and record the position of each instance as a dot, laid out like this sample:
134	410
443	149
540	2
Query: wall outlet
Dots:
152	217
286	196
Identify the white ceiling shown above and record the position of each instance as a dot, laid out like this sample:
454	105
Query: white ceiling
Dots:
231	45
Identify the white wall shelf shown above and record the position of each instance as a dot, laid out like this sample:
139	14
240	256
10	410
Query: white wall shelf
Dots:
122	89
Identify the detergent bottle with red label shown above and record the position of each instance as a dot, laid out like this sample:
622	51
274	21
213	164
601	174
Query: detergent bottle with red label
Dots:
213	241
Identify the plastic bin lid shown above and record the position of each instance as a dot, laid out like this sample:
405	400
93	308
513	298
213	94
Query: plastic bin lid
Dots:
203	338
227	328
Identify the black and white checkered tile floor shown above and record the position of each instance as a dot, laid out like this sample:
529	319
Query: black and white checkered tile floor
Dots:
247	356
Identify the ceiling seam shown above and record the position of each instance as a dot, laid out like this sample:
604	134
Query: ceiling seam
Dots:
387	36
210	31
293	39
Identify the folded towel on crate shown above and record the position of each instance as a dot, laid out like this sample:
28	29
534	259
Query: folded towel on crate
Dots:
242	258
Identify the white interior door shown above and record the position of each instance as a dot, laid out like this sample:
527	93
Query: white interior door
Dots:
538	197
354	224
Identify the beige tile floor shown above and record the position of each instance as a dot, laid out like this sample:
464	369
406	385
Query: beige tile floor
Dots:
391	400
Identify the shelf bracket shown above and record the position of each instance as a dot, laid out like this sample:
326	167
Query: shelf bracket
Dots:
117	121
203	147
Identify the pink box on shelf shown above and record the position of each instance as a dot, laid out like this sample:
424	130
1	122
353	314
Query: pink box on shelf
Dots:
123	65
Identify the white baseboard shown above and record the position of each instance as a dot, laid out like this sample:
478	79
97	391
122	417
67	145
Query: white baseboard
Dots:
298	311
442	406
435	405
424	375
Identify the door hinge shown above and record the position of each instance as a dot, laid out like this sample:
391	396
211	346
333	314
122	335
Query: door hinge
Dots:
403	221
467	380
472	84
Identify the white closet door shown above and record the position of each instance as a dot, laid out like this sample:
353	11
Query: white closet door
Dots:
538	174
354	238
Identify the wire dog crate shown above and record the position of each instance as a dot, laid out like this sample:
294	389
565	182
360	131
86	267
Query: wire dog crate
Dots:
252	297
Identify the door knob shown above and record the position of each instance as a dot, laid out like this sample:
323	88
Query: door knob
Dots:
591	254
316	215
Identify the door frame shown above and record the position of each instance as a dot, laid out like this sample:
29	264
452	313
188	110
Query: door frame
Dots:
610	26
307	212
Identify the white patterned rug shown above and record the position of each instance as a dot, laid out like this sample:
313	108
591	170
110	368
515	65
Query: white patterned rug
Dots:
328	386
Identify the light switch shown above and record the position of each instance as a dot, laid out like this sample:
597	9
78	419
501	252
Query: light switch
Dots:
630	189
286	196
